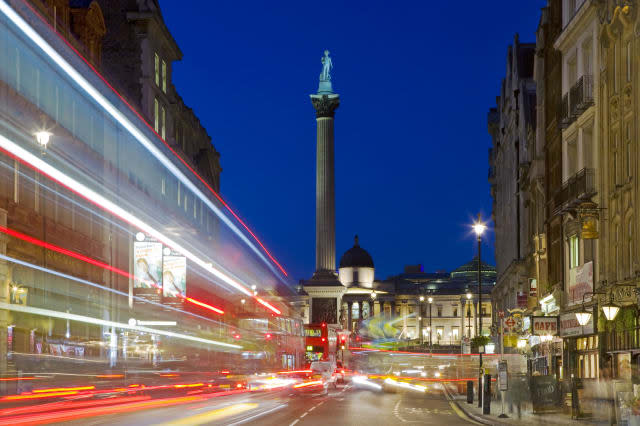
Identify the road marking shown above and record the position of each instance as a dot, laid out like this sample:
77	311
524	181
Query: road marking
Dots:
258	415
311	409
462	414
294	422
213	415
304	414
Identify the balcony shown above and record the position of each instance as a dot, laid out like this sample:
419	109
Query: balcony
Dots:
577	101
580	187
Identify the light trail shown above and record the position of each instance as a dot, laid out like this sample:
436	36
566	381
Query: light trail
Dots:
98	321
94	262
133	130
101	287
97	199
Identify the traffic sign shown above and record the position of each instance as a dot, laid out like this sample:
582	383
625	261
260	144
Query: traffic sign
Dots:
510	322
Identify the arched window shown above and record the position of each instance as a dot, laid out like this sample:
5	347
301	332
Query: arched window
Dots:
355	311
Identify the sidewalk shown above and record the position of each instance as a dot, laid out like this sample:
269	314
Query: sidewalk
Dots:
526	417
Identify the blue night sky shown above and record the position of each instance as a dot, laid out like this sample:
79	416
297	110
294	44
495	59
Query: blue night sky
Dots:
416	79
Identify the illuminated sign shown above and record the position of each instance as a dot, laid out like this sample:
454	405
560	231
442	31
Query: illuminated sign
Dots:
312	332
309	348
545	326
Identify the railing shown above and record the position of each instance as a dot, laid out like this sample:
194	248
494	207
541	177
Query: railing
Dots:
620	340
579	187
577	101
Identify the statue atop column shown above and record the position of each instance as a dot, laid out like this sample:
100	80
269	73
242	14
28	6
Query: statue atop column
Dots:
325	88
327	64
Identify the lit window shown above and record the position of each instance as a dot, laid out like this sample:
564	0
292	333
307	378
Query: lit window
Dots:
156	118
164	76
157	69
574	251
439	332
164	123
455	333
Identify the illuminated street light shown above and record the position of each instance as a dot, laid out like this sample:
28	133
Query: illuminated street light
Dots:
583	317
373	294
43	138
479	228
610	310
430	299
243	301
469	296
422	298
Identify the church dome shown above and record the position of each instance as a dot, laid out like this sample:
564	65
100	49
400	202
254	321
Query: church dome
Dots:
356	257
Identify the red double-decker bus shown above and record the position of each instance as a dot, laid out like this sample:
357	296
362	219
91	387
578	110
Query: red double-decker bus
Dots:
321	341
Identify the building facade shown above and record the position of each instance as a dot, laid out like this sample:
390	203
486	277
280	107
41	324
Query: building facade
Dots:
516	165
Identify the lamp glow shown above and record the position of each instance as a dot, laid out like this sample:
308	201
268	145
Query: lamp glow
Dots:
610	310
583	317
430	299
479	228
422	298
43	138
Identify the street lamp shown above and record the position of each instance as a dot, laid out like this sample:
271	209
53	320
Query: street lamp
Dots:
373	294
42	138
479	228
430	299
422	298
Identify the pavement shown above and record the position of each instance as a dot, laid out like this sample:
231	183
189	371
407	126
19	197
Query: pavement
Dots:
343	406
526	416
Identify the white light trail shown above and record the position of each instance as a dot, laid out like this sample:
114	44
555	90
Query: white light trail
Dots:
124	122
101	322
99	200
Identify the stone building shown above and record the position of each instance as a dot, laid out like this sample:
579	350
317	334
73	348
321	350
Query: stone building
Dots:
515	172
138	54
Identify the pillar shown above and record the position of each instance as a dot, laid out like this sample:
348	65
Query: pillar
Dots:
325	106
349	315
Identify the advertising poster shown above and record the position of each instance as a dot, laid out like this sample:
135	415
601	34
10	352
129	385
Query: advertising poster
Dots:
147	261
580	282
174	276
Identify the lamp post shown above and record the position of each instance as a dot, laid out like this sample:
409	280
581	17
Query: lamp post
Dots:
479	228
469	296
430	328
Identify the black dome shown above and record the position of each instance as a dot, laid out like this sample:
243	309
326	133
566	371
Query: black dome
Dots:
356	257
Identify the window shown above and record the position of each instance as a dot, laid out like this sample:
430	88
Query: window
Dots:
630	246
455	333
455	311
615	67
628	61
163	133
629	149
156	118
355	311
164	76
439	332
157	69
574	251
617	260
439	311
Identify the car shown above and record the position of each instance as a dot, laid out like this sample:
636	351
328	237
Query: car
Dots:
328	371
307	382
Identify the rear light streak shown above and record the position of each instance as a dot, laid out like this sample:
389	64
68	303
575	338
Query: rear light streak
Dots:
116	210
80	388
308	384
135	132
294	371
204	305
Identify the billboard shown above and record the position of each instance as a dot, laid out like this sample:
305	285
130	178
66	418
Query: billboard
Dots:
174	276
580	282
147	261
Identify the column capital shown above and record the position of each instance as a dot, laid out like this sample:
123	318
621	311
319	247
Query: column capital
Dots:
325	105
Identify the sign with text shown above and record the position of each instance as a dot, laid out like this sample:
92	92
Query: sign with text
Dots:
569	326
503	376
580	283
545	326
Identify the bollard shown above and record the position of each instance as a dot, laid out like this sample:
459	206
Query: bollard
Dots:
486	397
469	391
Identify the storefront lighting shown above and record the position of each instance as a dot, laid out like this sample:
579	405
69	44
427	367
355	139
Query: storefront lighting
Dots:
522	343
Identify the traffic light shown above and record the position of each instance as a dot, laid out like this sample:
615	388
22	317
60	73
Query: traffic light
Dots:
267	336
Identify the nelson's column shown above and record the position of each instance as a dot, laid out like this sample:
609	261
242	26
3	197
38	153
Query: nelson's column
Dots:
324	288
